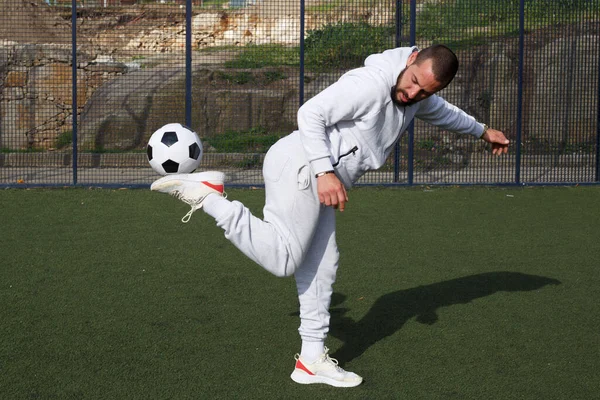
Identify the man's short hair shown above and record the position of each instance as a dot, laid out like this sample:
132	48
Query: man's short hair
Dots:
443	62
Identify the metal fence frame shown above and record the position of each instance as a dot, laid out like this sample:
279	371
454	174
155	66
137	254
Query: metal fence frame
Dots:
397	155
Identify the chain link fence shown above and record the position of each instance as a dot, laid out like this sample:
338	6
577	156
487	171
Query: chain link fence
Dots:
83	84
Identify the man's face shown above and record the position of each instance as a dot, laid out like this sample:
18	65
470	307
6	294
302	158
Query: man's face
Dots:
415	83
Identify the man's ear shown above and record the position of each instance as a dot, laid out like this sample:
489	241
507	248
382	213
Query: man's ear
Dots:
412	58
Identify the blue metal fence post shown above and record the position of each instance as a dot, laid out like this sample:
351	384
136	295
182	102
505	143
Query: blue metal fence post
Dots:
398	39
398	42
301	83
598	126
411	128
74	84
188	63
520	91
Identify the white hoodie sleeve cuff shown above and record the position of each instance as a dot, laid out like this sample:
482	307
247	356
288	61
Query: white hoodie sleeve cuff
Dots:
321	165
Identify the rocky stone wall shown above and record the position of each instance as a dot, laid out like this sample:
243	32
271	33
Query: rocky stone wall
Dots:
250	26
36	98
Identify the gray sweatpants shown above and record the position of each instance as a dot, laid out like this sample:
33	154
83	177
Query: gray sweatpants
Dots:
296	236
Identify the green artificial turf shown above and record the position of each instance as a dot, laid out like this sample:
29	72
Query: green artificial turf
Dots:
442	293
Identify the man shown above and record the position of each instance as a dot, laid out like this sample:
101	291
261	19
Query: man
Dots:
346	130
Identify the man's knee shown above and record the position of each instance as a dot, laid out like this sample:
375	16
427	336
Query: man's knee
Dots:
283	272
280	264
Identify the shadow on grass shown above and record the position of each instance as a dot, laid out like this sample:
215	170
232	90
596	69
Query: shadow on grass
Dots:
391	311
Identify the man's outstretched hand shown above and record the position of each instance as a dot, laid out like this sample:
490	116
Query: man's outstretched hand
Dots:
498	140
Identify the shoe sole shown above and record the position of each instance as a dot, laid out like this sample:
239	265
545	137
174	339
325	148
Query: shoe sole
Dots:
158	185
174	180
305	379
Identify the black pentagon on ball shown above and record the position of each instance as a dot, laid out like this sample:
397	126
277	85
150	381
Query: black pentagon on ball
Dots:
170	166
149	151
194	151
169	138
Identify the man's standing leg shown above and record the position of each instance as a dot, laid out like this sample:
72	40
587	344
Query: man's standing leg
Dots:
314	281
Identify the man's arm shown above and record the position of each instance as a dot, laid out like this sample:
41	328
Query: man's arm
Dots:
437	111
349	98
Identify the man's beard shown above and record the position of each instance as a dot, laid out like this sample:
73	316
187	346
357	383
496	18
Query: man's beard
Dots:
396	89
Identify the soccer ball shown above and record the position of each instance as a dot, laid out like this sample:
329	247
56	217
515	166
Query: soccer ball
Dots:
174	149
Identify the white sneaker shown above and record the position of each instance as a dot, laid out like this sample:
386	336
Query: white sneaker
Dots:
324	370
191	188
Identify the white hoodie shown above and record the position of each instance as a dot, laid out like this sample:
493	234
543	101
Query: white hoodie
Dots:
353	125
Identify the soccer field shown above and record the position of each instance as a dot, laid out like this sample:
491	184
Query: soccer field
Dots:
442	293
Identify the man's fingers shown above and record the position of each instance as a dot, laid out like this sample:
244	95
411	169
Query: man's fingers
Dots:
498	141
332	192
336	200
321	198
326	199
342	198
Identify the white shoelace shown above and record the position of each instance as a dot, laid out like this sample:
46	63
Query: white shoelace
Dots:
187	216
194	203
326	359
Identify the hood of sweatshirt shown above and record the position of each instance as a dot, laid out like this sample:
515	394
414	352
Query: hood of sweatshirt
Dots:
390	63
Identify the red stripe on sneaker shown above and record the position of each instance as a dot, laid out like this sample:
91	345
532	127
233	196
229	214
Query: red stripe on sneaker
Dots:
301	366
218	188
